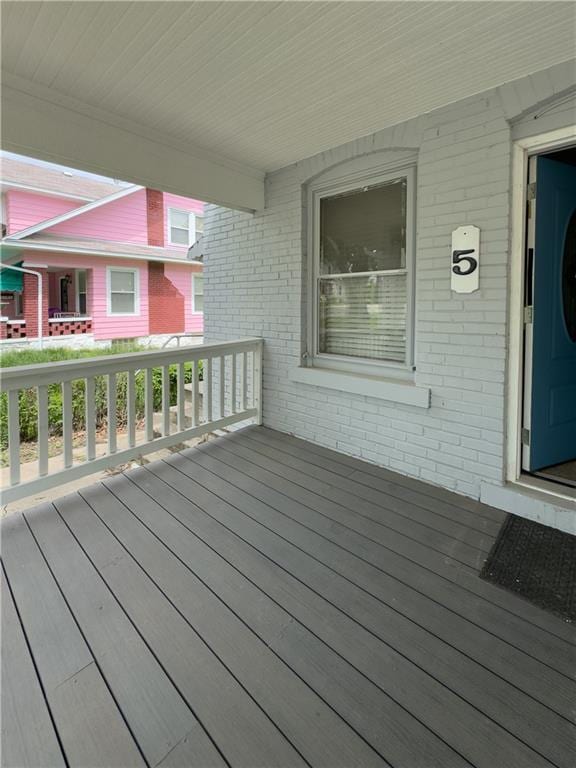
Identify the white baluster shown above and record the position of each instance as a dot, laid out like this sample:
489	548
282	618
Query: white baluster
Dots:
181	398
90	409
14	435
67	422
149	404
222	385
234	375
131	408
43	430
244	392
195	395
208	389
165	401
112	439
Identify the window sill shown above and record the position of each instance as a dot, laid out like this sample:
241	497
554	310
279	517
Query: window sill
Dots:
392	390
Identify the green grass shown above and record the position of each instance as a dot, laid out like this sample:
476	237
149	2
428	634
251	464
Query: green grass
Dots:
57	354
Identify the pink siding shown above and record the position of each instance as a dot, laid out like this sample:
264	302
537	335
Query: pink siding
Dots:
23	209
122	221
105	327
181	278
182	204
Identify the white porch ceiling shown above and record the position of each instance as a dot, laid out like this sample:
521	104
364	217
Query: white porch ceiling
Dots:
255	86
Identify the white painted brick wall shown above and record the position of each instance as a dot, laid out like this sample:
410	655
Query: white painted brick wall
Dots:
254	287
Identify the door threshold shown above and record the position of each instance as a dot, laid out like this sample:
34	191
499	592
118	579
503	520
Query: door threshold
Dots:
533	499
550	487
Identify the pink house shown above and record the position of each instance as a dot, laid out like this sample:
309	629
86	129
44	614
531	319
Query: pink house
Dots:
115	259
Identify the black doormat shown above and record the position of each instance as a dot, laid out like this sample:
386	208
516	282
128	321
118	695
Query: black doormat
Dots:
537	563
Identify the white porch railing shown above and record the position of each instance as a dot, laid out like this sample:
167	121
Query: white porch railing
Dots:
230	392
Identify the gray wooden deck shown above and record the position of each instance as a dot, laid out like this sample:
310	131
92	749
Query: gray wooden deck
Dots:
260	601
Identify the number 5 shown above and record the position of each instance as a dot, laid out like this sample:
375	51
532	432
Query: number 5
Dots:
458	257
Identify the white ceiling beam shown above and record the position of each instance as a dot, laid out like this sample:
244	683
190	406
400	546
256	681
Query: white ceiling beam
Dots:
40	123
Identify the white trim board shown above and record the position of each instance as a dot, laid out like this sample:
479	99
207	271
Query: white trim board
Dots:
531	503
42	123
521	149
136	293
42	191
46	247
47	223
369	386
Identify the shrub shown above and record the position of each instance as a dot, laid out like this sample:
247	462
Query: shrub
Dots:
28	403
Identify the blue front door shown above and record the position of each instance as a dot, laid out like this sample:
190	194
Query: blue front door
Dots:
553	396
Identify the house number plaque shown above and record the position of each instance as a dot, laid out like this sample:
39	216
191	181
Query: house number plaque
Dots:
465	259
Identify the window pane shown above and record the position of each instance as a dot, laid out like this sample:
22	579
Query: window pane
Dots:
82	303
364	230
122	302
180	219
179	236
198	293
122	281
82	281
199	225
363	316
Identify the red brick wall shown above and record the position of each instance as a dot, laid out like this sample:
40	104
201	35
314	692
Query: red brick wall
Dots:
165	302
155	217
30	303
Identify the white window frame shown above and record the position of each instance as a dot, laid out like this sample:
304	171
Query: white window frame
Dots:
191	227
136	272
317	192
194	278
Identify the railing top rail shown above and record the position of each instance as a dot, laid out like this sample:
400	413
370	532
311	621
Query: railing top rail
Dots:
24	376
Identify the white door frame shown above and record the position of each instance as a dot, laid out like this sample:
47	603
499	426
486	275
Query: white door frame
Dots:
521	150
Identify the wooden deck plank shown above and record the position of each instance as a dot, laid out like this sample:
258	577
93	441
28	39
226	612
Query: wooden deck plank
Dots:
257	553
364	467
504	659
157	715
241	729
435	706
359	702
458	537
462	577
315	730
417	541
90	727
262	601
28	735
434	506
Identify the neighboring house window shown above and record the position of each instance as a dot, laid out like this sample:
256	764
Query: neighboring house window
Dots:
181	227
18	305
123	291
362	272
197	293
81	291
